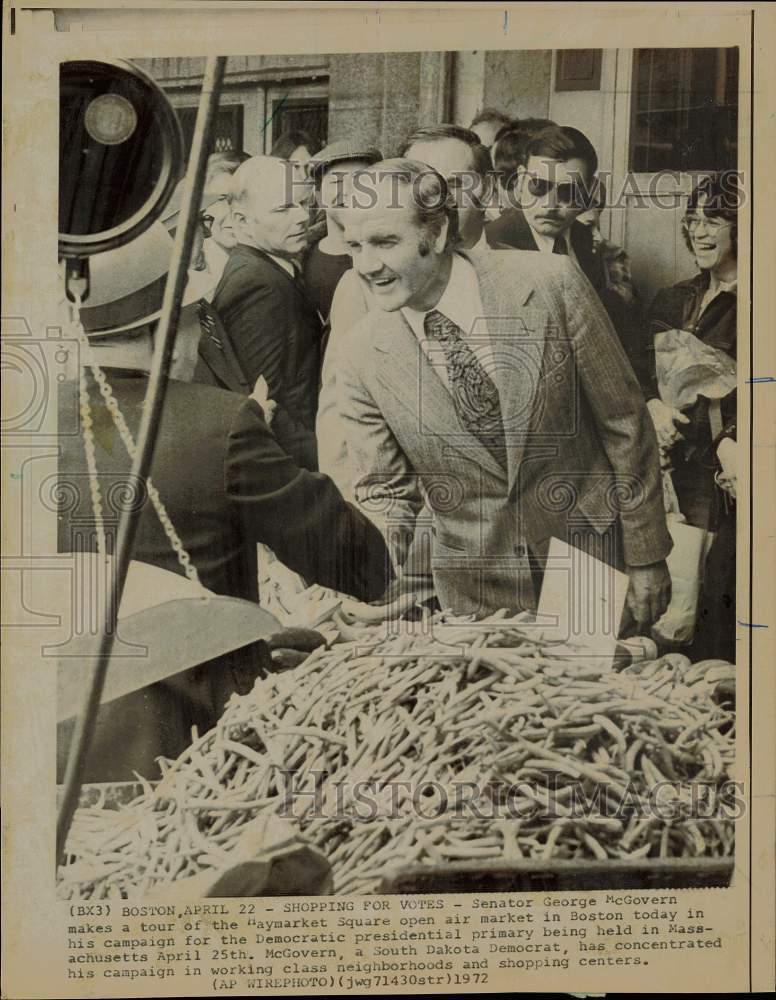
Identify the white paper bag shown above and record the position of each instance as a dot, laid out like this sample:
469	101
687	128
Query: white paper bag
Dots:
685	564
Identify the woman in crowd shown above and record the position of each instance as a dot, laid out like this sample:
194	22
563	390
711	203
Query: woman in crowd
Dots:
216	234
699	443
295	145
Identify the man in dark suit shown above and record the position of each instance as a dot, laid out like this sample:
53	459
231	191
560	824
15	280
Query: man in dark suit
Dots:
274	329
554	185
225	483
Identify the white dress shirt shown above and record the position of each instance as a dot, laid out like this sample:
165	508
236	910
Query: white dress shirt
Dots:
482	243
546	243
284	263
461	303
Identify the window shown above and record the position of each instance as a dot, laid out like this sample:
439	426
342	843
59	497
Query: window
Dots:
303	114
578	69
685	110
228	130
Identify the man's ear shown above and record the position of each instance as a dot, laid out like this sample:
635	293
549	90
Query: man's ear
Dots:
440	240
488	197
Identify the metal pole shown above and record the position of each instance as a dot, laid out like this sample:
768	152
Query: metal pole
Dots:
164	341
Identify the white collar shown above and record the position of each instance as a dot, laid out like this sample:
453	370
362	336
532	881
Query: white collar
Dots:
215	258
481	244
716	286
546	243
459	302
284	263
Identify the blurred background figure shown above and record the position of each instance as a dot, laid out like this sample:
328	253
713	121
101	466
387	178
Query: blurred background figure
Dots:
295	145
214	236
328	257
508	153
487	123
217	234
465	163
614	259
700	440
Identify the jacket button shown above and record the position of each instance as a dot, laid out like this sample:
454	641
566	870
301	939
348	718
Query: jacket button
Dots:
521	550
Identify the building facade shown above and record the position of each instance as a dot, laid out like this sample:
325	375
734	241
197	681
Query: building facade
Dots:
657	117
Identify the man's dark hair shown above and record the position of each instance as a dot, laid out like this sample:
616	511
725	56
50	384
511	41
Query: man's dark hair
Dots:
224	163
431	198
490	115
286	143
509	147
722	197
481	161
564	143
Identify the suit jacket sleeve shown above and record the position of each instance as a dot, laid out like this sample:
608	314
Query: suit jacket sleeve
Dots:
621	419
256	315
659	317
385	484
300	515
348	308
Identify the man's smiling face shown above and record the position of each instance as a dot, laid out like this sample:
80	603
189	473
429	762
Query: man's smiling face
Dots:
398	257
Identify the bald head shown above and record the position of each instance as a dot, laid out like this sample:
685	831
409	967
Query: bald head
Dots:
270	201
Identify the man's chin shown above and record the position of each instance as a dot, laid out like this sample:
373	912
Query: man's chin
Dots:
388	301
547	227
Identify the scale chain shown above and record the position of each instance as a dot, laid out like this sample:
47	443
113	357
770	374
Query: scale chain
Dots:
129	443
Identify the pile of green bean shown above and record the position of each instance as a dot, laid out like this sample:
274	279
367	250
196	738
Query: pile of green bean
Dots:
463	742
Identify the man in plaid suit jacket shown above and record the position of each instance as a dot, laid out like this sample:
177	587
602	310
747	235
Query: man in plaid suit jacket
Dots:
574	455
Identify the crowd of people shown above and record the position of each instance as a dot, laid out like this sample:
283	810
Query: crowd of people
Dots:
408	374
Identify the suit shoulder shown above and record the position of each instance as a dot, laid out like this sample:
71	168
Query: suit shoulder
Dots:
244	270
354	347
529	263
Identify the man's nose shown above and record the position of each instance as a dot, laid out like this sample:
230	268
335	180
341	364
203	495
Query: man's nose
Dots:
367	262
301	212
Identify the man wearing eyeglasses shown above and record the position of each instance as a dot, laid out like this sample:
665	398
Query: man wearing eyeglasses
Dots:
555	185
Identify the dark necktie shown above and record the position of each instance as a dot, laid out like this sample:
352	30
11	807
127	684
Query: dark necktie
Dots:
474	393
560	245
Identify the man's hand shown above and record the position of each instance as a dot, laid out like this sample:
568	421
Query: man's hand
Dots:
261	395
649	593
726	453
665	418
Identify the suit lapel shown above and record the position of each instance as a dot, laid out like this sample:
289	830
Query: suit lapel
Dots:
403	368
581	238
512	229
516	330
295	280
217	353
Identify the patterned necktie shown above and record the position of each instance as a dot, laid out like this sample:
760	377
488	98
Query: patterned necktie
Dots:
560	246
474	393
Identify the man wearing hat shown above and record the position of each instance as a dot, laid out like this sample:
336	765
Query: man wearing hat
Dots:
328	258
225	482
